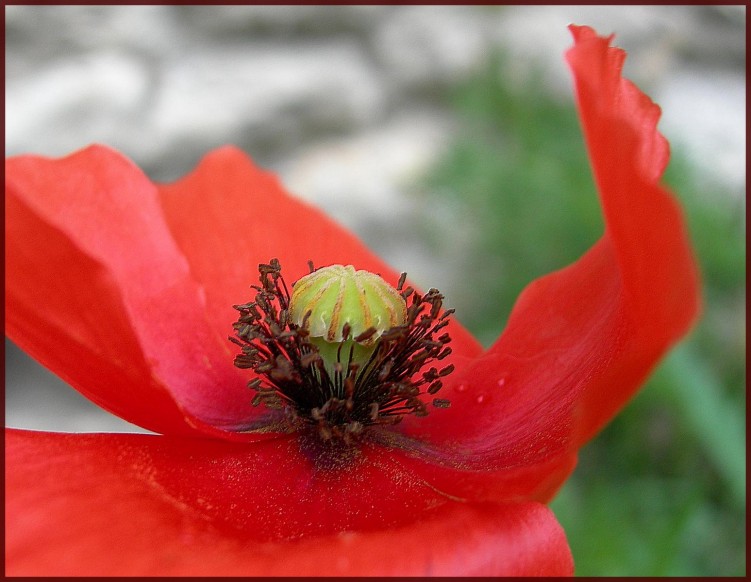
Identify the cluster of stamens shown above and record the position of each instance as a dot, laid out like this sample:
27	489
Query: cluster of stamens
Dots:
341	400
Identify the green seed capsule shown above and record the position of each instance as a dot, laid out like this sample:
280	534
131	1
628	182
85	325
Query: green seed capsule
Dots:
346	312
341	299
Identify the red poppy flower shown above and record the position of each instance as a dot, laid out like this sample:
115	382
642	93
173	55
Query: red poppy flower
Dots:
125	289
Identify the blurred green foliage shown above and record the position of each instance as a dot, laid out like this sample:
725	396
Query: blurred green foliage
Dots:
661	491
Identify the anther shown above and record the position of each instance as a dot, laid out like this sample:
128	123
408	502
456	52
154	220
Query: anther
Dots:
344	351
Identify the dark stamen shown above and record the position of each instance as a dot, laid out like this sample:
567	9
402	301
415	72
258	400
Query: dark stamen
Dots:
340	403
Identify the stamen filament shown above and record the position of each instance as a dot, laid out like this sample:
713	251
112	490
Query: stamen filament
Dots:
342	397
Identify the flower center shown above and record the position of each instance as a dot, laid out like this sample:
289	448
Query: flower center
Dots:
345	351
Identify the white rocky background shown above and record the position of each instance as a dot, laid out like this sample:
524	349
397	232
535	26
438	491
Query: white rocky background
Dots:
341	101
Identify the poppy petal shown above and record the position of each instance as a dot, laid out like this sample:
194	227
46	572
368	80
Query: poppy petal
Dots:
150	505
650	240
579	342
227	217
39	303
97	290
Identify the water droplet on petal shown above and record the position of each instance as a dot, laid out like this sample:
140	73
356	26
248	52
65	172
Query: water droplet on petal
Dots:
501	381
480	399
461	387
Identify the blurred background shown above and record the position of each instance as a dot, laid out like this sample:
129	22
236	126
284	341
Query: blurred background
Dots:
445	137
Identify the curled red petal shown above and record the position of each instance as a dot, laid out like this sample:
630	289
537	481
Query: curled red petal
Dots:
151	506
80	331
93	269
580	341
660	279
